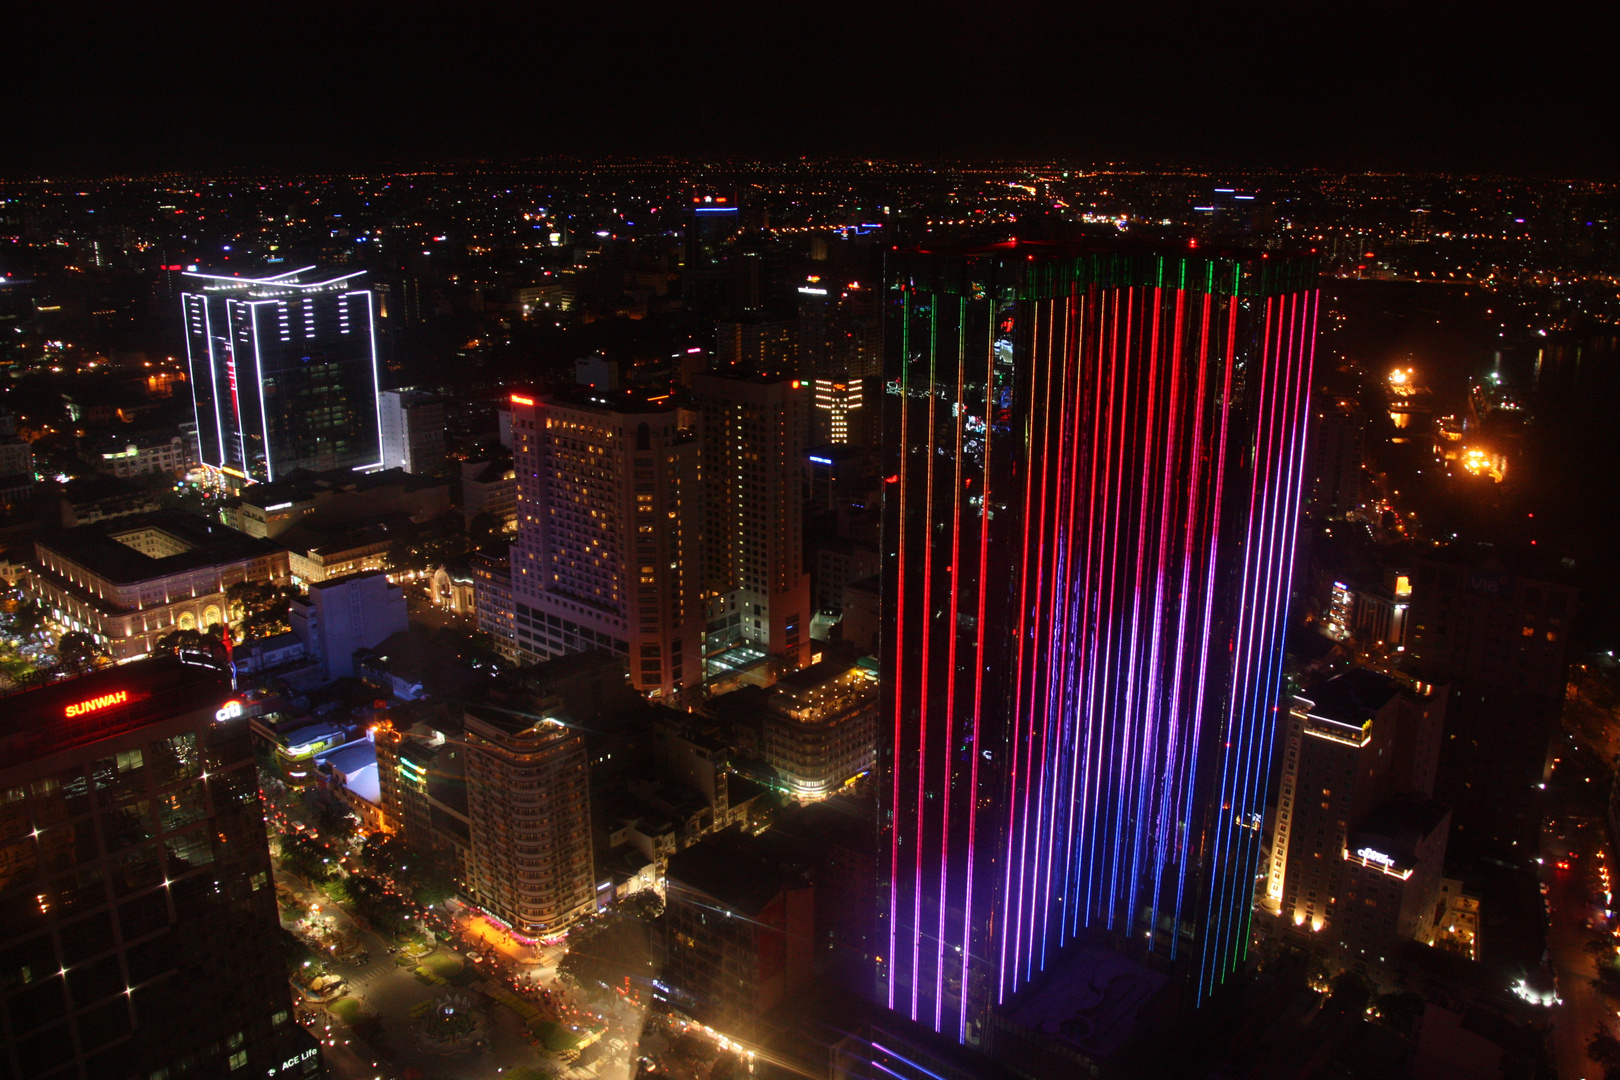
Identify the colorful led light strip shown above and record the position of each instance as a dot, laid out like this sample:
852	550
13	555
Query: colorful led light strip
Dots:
1151	474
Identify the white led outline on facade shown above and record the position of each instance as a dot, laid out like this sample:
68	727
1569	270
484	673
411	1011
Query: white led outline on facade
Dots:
191	368
213	383
264	416
376	379
236	396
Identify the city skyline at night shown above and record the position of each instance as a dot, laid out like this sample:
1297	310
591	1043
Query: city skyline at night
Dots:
835	542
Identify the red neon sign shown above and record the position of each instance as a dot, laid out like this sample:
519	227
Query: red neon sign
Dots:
90	705
518	399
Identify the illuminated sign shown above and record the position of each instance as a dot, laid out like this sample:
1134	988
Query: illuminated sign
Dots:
90	705
808	291
820	460
278	506
518	399
1378	857
229	711
296	1059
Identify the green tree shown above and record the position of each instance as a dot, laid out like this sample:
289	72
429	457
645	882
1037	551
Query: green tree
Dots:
78	650
306	857
484	528
1604	1049
186	639
28	619
432	877
334	818
604	953
382	852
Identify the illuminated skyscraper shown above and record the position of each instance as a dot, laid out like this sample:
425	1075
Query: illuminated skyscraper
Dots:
283	373
609	548
754	438
1093	463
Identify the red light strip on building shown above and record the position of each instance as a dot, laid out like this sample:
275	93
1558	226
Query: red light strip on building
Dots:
900	640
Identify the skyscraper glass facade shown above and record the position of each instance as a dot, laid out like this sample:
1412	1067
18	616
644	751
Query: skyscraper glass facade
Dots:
1093	477
283	372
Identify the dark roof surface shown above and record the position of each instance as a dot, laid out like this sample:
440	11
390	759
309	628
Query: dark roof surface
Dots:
35	722
208	544
1353	696
732	869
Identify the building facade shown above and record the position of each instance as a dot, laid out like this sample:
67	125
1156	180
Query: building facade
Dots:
741	928
528	805
283	372
412	425
129	581
1349	742
340	616
489	487
609	549
1094	472
142	454
492	601
138	927
820	727
755	431
1393	864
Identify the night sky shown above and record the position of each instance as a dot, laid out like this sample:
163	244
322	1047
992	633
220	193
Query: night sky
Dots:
91	89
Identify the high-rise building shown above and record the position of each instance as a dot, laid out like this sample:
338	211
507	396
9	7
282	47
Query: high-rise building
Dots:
1333	471
754	438
609	549
840	329
838	405
1497	629
841	355
489	487
757	343
492	600
528	859
283	372
711	225
138	927
741	925
1392	884
1094	463
1350	742
412	425
820	727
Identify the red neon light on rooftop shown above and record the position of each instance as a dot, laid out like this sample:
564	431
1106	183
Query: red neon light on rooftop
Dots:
90	705
519	399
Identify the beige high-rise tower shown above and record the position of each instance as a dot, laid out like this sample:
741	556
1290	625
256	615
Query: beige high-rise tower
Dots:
609	550
528	808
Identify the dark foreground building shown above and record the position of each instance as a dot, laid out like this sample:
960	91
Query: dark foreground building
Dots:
1093	465
138	929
